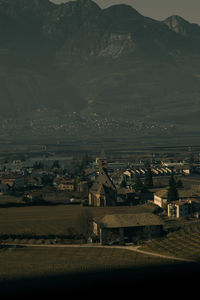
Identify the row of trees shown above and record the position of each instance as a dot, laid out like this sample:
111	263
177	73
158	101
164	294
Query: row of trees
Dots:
144	185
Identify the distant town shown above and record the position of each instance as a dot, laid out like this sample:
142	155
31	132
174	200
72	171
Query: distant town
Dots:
45	123
169	185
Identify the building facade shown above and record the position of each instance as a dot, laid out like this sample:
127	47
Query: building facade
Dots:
127	227
103	191
179	209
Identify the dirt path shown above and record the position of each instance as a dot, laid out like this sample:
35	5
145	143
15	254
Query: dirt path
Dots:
136	249
129	248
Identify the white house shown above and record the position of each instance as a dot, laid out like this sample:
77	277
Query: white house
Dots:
160	198
179	209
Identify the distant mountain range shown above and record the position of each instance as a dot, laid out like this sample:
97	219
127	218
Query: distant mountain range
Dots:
113	62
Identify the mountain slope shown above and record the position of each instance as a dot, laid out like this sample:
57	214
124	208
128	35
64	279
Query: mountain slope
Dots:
113	63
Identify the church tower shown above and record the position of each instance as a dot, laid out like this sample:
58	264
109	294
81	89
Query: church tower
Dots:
103	191
102	162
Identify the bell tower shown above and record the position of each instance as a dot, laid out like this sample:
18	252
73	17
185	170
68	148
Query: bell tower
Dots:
102	162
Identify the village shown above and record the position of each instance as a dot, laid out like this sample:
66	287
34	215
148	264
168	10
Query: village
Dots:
168	190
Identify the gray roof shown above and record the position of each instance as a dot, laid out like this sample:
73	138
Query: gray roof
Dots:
128	220
102	179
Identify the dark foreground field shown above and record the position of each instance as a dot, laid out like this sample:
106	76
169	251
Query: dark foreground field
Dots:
32	273
26	262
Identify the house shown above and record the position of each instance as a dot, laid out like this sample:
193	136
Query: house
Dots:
34	181
63	184
127	197
194	207
178	167
66	185
127	227
117	177
16	181
182	169
179	209
103	191
128	173
155	172
82	187
160	197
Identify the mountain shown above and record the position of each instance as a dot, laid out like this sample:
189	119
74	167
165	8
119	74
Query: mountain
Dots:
74	61
183	27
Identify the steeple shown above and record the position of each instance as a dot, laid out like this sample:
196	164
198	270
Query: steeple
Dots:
102	162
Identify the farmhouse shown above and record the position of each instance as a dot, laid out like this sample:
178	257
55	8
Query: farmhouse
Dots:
127	227
183	208
179	209
160	197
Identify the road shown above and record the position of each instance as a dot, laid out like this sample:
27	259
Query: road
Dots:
129	248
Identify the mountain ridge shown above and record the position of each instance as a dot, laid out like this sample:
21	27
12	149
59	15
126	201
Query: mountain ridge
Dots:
182	26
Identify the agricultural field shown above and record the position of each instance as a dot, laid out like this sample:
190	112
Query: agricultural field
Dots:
183	243
25	262
54	220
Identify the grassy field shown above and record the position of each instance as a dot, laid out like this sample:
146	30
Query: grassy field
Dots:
26	262
32	262
54	220
184	243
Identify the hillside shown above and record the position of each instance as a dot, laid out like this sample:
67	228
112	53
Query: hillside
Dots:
111	64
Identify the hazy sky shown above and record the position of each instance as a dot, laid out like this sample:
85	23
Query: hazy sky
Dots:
159	9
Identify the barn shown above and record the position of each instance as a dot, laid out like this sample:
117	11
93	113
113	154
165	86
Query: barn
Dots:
114	228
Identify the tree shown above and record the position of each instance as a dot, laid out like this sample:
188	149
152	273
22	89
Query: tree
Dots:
38	165
147	164
179	184
148	181
56	164
138	184
172	181
74	168
123	183
85	227
172	193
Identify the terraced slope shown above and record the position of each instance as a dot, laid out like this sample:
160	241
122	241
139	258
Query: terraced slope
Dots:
184	243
